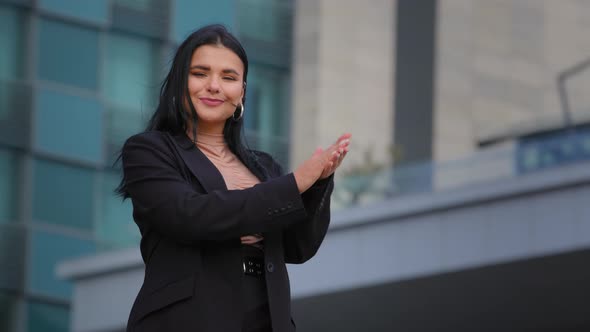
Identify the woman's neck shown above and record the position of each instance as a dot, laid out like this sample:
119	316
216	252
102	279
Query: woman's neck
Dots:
210	128
210	139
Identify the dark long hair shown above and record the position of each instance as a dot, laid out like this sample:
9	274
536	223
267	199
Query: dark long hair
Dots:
171	115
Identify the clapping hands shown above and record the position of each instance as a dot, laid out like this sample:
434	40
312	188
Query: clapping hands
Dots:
322	163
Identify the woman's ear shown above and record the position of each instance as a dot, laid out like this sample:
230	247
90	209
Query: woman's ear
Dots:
243	93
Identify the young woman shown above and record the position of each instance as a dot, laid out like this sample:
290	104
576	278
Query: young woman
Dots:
218	220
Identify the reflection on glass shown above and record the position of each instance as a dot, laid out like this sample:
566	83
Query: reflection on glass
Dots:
68	54
63	194
46	251
47	318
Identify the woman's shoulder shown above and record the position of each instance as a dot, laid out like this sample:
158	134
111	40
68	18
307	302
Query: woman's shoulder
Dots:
148	140
151	135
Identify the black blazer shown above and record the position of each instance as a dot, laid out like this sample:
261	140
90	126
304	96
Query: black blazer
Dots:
191	227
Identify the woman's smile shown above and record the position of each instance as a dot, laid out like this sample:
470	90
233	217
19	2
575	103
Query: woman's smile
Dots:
211	101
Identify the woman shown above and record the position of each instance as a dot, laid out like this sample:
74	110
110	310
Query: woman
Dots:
218	221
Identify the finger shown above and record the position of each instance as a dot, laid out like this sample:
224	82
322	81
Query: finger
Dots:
318	151
344	137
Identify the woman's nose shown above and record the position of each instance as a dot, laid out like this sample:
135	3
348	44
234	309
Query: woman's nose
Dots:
213	85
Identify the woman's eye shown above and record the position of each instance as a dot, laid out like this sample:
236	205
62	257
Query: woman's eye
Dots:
229	78
198	74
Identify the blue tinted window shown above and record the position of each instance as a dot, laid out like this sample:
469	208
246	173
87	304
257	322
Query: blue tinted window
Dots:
68	54
9	186
69	125
266	20
12	40
131	86
141	5
95	10
188	15
267	116
46	251
47	318
130	68
63	194
115	227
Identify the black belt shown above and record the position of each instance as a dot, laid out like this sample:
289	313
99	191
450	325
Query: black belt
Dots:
253	266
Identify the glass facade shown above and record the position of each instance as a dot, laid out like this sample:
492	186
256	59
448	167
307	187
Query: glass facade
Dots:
47	318
68	54
76	79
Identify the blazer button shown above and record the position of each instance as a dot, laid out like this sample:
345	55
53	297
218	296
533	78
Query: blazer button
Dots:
270	267
289	205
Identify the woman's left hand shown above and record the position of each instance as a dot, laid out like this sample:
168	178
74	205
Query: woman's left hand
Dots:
339	151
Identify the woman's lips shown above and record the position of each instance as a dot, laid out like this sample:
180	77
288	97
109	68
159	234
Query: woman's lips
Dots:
211	102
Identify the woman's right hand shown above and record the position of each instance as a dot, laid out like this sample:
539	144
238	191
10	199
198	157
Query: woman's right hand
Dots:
312	169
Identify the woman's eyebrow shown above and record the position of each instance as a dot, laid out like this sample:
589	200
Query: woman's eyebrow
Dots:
230	71
207	68
202	67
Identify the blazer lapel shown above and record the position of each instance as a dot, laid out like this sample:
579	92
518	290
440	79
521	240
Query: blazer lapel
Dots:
196	161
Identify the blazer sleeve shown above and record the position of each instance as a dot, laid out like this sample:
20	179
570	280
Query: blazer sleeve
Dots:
167	203
302	240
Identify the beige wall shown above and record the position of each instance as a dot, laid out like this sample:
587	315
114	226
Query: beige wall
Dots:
497	65
343	75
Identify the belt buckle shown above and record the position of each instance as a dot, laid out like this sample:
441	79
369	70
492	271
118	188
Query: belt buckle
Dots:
253	266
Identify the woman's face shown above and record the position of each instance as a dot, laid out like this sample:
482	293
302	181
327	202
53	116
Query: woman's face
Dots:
215	85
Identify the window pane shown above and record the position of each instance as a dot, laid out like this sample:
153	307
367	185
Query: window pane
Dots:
10	183
12	38
184	19
131	86
47	250
8	312
265	28
267	117
263	19
115	227
69	125
63	194
68	54
141	5
142	17
95	10
47	318
130	77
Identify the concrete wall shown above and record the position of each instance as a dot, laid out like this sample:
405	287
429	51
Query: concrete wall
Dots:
497	65
343	75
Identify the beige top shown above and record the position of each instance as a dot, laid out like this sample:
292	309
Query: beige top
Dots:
235	174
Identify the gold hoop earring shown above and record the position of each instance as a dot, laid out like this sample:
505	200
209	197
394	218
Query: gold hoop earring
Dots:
236	119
